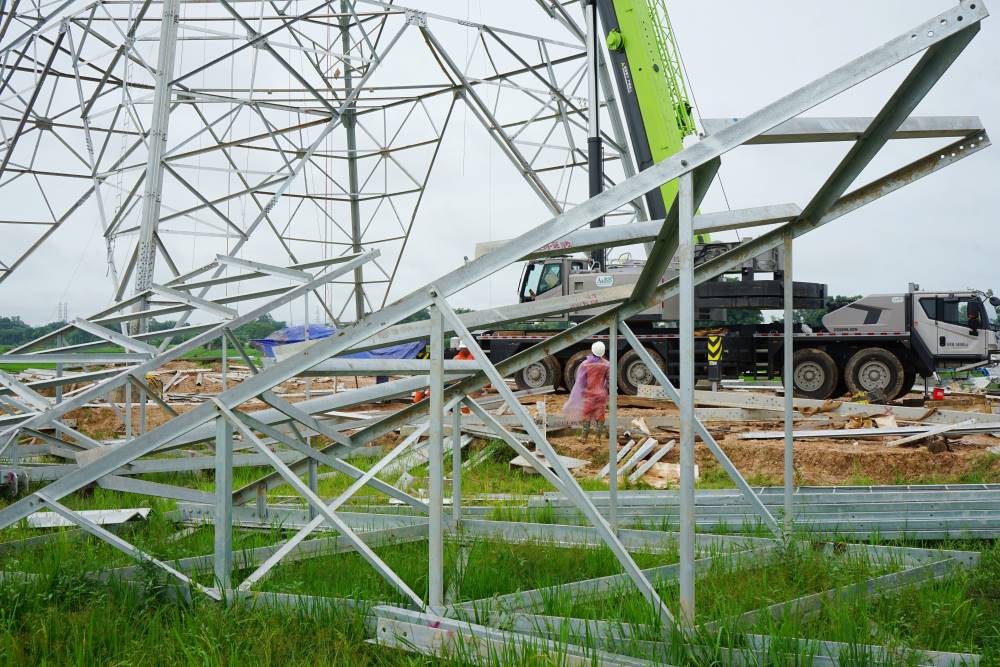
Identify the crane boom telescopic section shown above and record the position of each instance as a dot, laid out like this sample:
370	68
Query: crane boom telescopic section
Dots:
651	88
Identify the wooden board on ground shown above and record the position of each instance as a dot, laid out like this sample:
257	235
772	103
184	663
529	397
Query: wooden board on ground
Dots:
662	475
568	461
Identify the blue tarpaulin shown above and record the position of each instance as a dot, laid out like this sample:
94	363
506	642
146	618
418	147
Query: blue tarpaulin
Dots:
296	334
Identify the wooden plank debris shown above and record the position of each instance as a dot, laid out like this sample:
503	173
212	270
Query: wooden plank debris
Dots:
734	399
971	428
926	434
568	461
654	459
640	452
618	459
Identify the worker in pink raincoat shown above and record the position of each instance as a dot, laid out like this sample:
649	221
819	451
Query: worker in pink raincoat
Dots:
589	398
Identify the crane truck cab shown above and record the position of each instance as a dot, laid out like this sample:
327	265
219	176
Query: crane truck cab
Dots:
880	343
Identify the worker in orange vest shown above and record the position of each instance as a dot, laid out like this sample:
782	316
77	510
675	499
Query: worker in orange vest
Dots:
463	354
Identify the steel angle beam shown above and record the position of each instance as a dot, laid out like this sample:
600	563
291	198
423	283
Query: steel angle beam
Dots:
128	342
193	301
703	433
666	242
102	533
142	487
478	644
75	378
82	347
331	461
570	486
23	391
299	415
322	546
327	514
75	360
338	366
934	62
810	130
813	602
178	351
260	267
324	512
579	590
583	240
514	443
925	35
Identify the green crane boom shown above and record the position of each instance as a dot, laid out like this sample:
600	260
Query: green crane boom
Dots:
651	86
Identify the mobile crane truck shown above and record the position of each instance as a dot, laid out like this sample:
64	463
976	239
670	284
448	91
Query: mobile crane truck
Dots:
877	345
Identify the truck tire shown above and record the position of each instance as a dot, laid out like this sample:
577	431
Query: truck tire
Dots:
632	372
875	371
814	374
909	378
542	373
570	368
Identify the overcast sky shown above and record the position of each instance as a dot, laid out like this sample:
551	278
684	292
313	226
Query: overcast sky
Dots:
940	232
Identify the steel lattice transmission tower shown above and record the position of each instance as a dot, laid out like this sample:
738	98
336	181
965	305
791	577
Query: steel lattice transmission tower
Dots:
289	132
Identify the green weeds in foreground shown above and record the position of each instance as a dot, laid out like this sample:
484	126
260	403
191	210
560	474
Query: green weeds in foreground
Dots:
70	621
63	618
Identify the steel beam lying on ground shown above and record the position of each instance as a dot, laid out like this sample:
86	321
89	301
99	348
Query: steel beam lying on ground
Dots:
968	427
831	408
920	512
477	644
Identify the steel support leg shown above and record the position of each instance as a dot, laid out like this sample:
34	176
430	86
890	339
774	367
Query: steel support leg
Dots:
456	464
150	216
748	494
349	120
223	563
613	426
685	253
128	411
313	479
435	574
570	487
788	377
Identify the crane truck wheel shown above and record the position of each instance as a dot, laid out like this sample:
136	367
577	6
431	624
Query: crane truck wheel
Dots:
571	366
632	372
814	374
542	373
875	371
909	377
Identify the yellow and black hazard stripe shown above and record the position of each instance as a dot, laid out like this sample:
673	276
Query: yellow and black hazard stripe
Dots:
714	348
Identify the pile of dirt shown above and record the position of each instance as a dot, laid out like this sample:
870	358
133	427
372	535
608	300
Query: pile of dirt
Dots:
817	461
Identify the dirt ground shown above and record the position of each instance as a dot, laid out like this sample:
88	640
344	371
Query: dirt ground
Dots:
817	461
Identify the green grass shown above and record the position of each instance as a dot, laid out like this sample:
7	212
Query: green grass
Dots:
474	570
735	584
63	618
960	612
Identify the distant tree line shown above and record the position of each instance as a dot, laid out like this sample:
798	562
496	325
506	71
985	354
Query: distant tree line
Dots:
14	331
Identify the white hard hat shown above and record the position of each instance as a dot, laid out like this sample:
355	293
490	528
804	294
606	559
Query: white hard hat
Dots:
597	349
462	345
